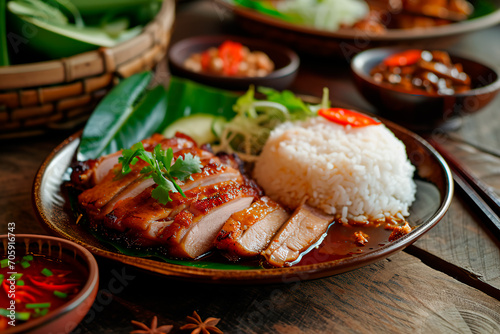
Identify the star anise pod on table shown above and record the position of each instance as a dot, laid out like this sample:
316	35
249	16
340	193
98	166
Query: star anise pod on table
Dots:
154	329
198	326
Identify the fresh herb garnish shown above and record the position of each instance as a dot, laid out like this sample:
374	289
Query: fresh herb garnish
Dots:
161	169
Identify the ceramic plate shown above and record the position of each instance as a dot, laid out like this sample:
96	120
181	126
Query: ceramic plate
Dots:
434	194
347	42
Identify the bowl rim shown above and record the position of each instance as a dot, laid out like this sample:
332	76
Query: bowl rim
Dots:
215	40
92	281
360	58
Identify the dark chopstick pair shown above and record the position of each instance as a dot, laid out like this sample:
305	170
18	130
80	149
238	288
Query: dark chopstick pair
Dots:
477	193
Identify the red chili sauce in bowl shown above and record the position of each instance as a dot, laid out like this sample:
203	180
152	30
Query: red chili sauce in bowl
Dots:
34	285
422	71
231	59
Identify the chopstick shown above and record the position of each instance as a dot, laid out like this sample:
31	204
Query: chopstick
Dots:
478	193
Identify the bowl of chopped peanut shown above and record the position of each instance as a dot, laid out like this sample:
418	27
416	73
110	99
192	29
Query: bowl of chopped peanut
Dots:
233	62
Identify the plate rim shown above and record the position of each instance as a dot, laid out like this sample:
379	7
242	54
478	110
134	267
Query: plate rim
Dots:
251	276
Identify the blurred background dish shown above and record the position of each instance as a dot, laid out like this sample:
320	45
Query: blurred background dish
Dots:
346	42
285	63
65	288
419	110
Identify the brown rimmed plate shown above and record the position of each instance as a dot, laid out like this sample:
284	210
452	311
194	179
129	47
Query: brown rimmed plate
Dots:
347	42
434	195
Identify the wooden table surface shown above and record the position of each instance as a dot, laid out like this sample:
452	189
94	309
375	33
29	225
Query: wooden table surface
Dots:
447	282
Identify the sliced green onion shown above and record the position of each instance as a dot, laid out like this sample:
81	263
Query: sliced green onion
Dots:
20	282
47	272
4	263
16	276
1	278
41	313
38	305
28	257
60	294
25	264
24	316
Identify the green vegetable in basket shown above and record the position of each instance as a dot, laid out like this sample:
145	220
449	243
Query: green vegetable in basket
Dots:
57	29
4	55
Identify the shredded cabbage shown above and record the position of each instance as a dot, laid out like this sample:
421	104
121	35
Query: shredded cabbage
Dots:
249	129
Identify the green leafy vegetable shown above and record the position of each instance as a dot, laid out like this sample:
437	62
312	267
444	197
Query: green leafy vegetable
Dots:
4	55
161	169
61	30
247	132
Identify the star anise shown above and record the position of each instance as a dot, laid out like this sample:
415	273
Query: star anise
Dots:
198	326
151	330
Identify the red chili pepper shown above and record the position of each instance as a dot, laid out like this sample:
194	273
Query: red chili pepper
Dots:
231	54
405	58
43	283
347	117
205	60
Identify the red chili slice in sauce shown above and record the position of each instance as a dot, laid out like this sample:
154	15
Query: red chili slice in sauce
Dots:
405	58
231	54
347	117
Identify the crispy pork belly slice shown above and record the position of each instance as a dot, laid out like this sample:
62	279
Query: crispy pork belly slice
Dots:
195	228
89	173
248	232
102	198
305	227
146	222
94	199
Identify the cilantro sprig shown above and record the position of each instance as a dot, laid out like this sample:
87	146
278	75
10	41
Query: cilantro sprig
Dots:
161	169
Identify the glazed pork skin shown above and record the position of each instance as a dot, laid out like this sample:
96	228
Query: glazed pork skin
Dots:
87	174
206	219
248	232
185	227
101	199
305	227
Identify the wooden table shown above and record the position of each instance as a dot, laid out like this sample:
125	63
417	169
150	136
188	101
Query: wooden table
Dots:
448	281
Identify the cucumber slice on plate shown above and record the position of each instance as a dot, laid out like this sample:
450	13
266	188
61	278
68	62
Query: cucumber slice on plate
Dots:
200	127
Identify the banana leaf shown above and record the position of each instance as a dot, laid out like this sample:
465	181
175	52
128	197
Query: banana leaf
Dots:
120	110
203	263
186	97
130	113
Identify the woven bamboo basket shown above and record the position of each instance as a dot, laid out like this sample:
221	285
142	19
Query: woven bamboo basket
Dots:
61	94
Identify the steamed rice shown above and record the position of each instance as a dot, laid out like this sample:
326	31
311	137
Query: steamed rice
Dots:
355	173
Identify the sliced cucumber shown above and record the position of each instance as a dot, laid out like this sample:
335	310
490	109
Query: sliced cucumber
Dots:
218	125
200	127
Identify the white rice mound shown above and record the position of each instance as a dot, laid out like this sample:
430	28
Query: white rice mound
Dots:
358	174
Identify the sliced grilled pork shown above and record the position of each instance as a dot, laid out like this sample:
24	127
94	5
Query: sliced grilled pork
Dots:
91	172
101	199
248	232
186	226
305	227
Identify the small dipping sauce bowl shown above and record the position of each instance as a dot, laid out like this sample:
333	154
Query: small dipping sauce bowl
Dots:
37	301
418	110
286	63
